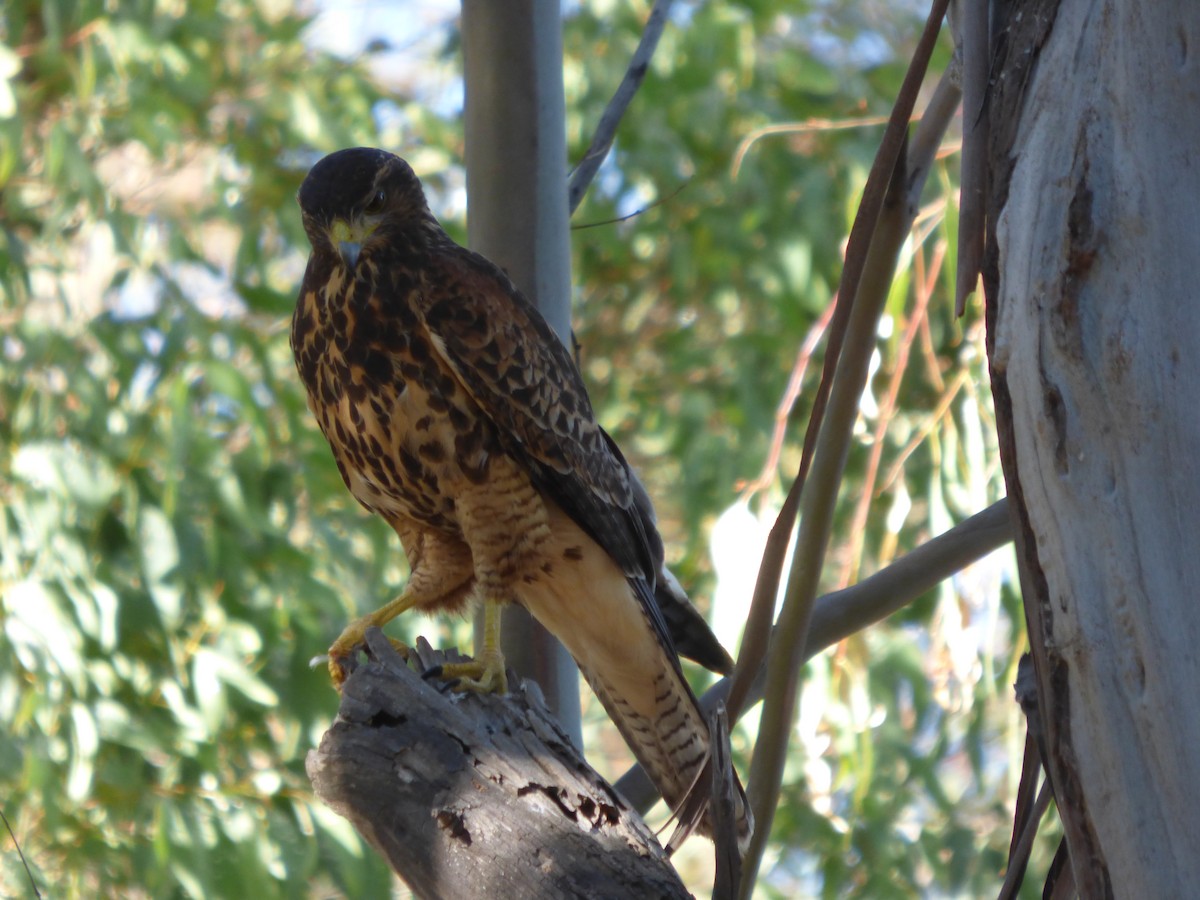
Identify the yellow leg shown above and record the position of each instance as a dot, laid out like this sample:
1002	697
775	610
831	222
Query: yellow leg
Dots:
485	673
353	635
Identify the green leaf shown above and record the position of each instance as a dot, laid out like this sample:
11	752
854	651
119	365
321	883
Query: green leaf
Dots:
160	563
68	470
85	742
10	67
40	632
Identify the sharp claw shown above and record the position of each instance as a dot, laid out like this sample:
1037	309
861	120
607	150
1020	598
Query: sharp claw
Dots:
343	655
485	675
345	650
337	671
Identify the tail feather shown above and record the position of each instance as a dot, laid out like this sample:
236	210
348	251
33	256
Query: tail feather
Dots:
670	744
614	627
673	749
688	629
667	732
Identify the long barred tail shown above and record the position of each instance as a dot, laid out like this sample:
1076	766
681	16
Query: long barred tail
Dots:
669	736
672	747
615	628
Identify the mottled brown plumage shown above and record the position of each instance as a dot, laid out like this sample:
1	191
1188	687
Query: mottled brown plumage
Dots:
455	413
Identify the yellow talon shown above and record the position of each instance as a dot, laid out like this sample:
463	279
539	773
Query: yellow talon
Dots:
354	634
485	673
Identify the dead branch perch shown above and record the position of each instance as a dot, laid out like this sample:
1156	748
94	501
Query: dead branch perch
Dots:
469	795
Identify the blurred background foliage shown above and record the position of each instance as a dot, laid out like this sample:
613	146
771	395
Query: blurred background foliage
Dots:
176	544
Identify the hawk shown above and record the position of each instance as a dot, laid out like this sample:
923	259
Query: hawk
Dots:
455	413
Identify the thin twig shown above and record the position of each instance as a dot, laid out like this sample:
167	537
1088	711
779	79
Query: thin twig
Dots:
784	409
974	151
754	641
947	91
939	411
808	126
606	130
637	212
75	37
21	854
923	285
816	519
933	368
1011	883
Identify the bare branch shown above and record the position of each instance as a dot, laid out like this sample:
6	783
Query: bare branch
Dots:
765	590
1024	845
873	243
975	56
606	130
842	613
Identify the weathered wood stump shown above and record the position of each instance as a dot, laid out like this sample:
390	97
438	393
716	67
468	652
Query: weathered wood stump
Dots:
478	795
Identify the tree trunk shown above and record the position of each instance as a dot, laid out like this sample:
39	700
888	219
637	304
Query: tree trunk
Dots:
516	156
478	795
1095	227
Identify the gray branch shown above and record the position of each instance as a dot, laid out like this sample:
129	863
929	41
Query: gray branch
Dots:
606	130
842	613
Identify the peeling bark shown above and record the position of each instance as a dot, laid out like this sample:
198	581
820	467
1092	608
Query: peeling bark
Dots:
469	795
1094	231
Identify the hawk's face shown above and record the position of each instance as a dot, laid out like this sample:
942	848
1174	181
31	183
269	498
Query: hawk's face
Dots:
358	199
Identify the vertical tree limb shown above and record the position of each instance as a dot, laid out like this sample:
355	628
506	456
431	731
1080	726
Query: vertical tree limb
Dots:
516	155
874	241
1092	334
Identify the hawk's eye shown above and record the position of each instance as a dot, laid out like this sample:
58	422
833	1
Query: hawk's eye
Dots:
376	203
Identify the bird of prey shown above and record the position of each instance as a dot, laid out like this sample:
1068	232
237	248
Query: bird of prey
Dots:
455	413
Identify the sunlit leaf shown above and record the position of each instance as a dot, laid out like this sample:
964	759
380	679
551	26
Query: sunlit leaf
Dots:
40	632
160	562
85	742
67	469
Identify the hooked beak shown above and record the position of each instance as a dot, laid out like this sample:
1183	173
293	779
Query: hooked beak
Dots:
348	239
350	251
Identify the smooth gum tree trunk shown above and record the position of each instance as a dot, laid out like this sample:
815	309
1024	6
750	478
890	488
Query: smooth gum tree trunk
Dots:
1094	321
516	156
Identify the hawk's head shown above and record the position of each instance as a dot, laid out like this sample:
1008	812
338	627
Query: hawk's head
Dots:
355	199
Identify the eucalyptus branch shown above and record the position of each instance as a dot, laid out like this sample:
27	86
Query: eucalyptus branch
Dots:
922	153
1024	846
927	136
839	614
973	197
874	243
816	524
606	130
